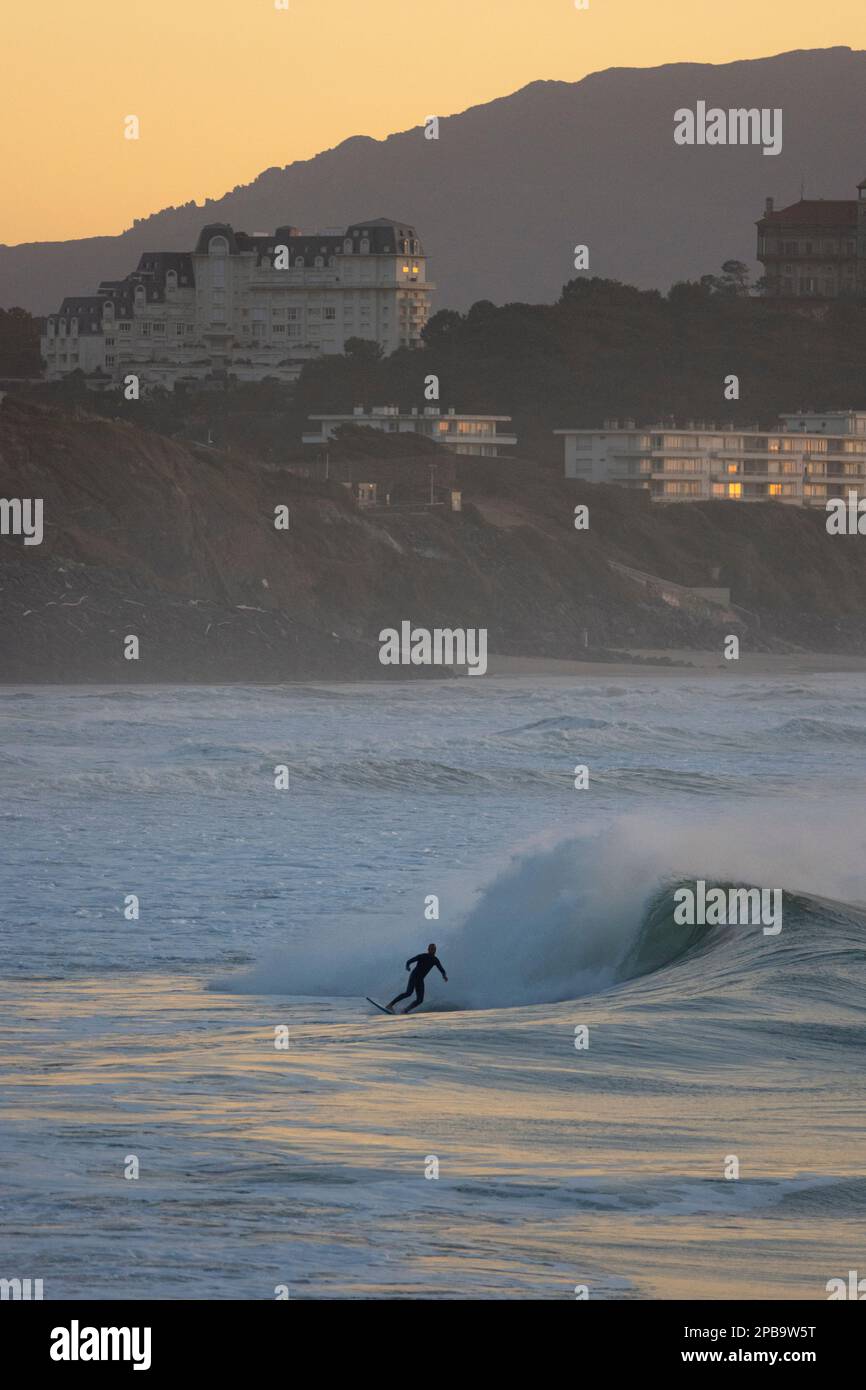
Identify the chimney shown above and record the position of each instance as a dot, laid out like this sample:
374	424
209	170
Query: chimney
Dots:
768	207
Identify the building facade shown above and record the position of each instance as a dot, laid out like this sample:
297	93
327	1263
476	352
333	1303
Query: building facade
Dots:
247	307
814	249
808	460
464	434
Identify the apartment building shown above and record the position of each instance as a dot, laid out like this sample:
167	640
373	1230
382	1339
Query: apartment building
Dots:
810	458
464	434
244	306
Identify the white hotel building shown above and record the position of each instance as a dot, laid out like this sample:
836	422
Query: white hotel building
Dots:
463	434
227	309
810	458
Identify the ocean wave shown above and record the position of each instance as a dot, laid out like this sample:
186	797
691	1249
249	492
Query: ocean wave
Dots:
819	730
595	913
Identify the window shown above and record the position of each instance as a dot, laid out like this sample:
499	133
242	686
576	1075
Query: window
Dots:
159	330
774	490
144	328
735	489
109	360
681	489
329	314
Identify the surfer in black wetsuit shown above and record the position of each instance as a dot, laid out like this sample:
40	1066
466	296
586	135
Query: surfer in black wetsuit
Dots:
423	965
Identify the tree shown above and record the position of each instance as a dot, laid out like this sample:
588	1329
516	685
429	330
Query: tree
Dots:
736	276
442	329
364	350
19	344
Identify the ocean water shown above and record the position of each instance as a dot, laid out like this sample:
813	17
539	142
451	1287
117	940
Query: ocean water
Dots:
471	1150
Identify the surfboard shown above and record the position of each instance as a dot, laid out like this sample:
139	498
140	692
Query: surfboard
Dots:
380	1007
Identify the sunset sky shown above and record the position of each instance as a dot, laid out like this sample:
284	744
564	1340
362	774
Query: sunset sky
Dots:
226	88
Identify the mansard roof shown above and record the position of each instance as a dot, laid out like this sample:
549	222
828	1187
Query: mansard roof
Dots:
216	229
87	308
157	264
383	234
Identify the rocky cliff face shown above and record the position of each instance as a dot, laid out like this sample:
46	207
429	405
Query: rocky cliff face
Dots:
144	536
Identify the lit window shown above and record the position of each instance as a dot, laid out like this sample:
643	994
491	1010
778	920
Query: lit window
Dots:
735	489
775	489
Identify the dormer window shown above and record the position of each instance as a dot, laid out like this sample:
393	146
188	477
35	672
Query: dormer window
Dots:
347	246
218	246
365	246
320	260
171	280
300	263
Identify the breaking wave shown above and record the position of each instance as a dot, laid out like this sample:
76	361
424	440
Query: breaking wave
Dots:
592	913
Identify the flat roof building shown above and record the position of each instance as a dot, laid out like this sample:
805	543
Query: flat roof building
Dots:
802	464
465	434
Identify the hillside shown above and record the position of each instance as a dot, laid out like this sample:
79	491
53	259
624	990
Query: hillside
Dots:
144	535
511	186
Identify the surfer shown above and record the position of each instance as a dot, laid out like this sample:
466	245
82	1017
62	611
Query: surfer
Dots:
423	965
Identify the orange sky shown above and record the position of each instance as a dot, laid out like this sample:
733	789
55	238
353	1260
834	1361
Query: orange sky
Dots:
226	88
